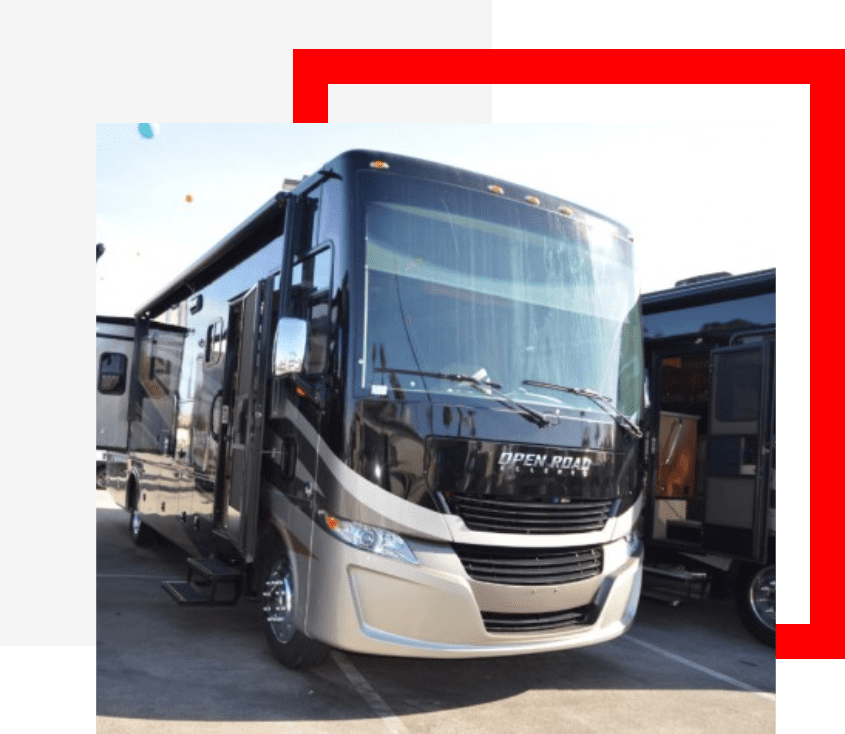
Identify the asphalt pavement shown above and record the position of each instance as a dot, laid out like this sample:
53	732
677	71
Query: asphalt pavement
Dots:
165	668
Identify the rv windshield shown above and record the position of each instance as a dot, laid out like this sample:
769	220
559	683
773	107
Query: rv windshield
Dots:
461	281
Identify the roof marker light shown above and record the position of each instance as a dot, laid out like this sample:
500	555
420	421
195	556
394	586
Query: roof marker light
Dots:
378	164
565	210
496	189
532	200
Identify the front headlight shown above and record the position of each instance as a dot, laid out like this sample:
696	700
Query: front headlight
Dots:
366	537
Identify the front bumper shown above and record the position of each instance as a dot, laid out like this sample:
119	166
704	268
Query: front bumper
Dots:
365	603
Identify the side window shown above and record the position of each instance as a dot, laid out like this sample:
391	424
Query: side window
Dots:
214	343
112	374
312	277
330	213
311	281
160	377
313	273
317	354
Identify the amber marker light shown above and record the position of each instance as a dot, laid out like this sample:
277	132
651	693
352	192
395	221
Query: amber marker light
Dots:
496	189
565	210
532	200
331	522
378	164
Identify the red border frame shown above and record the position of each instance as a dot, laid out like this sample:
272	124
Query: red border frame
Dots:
315	69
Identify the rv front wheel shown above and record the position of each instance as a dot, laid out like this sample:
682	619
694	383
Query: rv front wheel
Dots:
755	602
142	534
289	646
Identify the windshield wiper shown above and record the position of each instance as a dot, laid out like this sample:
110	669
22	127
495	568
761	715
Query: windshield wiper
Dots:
603	402
452	376
481	381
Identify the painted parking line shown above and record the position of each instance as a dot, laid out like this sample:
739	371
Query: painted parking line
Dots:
700	668
369	694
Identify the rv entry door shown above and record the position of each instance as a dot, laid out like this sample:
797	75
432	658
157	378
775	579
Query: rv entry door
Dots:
245	384
736	475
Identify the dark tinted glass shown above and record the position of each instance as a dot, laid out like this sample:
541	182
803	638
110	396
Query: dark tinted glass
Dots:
741	313
738	386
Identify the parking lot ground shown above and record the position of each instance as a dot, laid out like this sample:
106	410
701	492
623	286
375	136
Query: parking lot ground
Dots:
164	668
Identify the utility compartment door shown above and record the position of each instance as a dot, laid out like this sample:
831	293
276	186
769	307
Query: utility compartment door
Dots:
736	474
245	399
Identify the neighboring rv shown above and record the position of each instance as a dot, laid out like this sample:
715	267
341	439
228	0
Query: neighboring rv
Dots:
115	344
400	405
710	506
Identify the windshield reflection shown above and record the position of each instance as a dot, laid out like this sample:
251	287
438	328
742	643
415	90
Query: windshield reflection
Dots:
459	280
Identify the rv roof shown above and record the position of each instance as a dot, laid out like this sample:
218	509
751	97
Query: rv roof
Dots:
709	289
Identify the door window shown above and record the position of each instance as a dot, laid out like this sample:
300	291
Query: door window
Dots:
112	376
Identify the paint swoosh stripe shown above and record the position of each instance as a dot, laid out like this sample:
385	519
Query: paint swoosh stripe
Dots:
351	495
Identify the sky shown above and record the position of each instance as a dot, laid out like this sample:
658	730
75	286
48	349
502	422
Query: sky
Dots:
698	197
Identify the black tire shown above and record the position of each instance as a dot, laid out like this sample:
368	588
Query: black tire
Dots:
755	602
289	646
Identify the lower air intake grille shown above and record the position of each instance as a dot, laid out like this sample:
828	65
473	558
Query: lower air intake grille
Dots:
530	566
496	622
525	515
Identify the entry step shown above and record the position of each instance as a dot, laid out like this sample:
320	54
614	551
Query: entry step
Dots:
187	594
673	585
210	582
214	568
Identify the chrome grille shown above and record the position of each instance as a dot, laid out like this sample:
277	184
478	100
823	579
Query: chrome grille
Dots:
530	566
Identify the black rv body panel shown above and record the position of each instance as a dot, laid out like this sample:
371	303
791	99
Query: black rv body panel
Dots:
397	432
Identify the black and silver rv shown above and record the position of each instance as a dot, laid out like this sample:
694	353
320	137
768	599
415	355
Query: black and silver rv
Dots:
400	405
710	506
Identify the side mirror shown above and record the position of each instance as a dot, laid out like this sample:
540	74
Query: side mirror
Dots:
289	346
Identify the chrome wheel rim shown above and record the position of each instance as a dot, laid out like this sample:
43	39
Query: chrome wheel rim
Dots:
762	597
135	523
278	596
